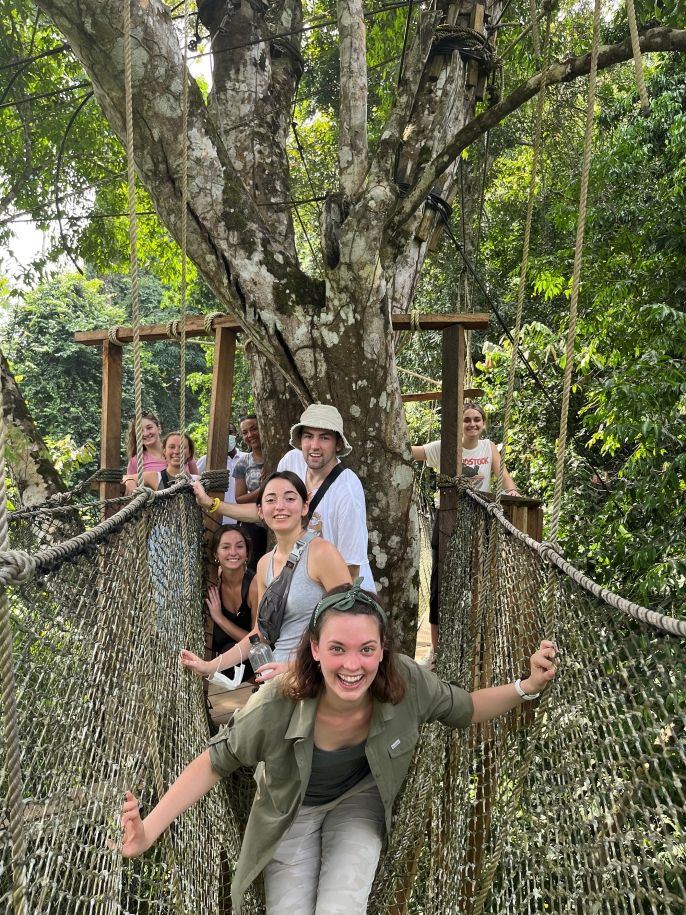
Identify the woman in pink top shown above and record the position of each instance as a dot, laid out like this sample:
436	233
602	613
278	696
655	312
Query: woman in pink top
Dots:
154	460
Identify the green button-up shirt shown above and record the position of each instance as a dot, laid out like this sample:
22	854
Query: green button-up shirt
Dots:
276	736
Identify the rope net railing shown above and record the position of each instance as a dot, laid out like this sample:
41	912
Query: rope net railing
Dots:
98	688
575	805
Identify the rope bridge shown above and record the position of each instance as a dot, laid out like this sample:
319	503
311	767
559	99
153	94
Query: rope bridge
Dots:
574	806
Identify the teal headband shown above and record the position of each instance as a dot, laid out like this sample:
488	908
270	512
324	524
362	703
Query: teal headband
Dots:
345	600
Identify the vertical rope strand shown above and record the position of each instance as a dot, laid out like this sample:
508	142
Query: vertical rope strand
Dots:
576	277
638	57
183	297
521	289
133	243
184	236
15	784
142	583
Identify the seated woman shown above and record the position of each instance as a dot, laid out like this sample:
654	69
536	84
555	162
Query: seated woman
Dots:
154	458
232	603
283	506
171	448
325	799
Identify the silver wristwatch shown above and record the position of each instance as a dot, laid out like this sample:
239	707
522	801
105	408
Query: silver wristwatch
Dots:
527	697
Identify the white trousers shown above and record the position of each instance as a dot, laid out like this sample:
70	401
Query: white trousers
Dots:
325	863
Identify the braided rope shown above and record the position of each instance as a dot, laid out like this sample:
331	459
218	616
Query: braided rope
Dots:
538	133
208	322
173	329
638	57
183	297
18	566
15	785
143	576
536	38
576	277
112	336
551	553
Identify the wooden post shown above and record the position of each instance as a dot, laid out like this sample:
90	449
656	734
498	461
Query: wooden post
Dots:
110	420
451	435
218	433
220	400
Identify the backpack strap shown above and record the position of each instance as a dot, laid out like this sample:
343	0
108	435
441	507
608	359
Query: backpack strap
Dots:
332	476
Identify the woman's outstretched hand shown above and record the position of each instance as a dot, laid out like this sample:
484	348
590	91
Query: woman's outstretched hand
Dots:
543	667
201	497
134	840
192	662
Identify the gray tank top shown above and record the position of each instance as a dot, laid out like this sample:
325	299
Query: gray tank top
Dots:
303	596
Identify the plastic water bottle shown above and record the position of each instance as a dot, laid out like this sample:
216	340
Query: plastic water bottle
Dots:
260	653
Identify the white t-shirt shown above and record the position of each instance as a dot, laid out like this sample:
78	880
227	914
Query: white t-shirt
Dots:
340	517
480	457
230	494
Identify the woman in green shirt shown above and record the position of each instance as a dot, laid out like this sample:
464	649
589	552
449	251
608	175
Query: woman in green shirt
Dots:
335	737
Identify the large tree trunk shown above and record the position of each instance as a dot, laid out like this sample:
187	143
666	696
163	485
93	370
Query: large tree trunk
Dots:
28	461
329	340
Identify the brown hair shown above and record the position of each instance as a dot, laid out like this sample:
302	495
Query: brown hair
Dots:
474	406
131	434
305	681
189	451
226	528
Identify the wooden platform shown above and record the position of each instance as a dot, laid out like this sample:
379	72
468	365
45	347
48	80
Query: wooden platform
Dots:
225	702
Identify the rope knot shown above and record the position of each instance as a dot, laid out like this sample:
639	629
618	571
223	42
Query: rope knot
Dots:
463	483
174	329
112	336
18	566
550	546
209	320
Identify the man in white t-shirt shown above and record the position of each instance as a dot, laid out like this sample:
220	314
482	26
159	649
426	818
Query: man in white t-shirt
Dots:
232	458
341	515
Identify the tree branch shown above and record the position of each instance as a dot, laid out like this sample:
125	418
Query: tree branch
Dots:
352	135
383	166
229	238
658	39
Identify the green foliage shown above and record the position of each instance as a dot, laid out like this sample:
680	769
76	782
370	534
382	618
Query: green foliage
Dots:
61	379
628	410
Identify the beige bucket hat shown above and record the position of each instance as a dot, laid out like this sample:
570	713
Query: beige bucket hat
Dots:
321	416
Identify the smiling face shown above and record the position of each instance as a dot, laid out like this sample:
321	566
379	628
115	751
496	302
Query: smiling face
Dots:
150	434
172	450
232	551
349	651
473	424
282	507
251	433
319	447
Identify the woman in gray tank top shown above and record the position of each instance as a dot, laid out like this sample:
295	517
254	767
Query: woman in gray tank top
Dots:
283	506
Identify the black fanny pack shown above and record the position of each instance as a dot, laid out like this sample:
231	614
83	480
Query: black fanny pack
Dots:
273	604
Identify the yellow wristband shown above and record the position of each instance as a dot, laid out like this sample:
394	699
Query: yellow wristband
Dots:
216	502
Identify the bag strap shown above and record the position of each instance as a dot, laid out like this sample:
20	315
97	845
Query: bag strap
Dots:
298	547
333	475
